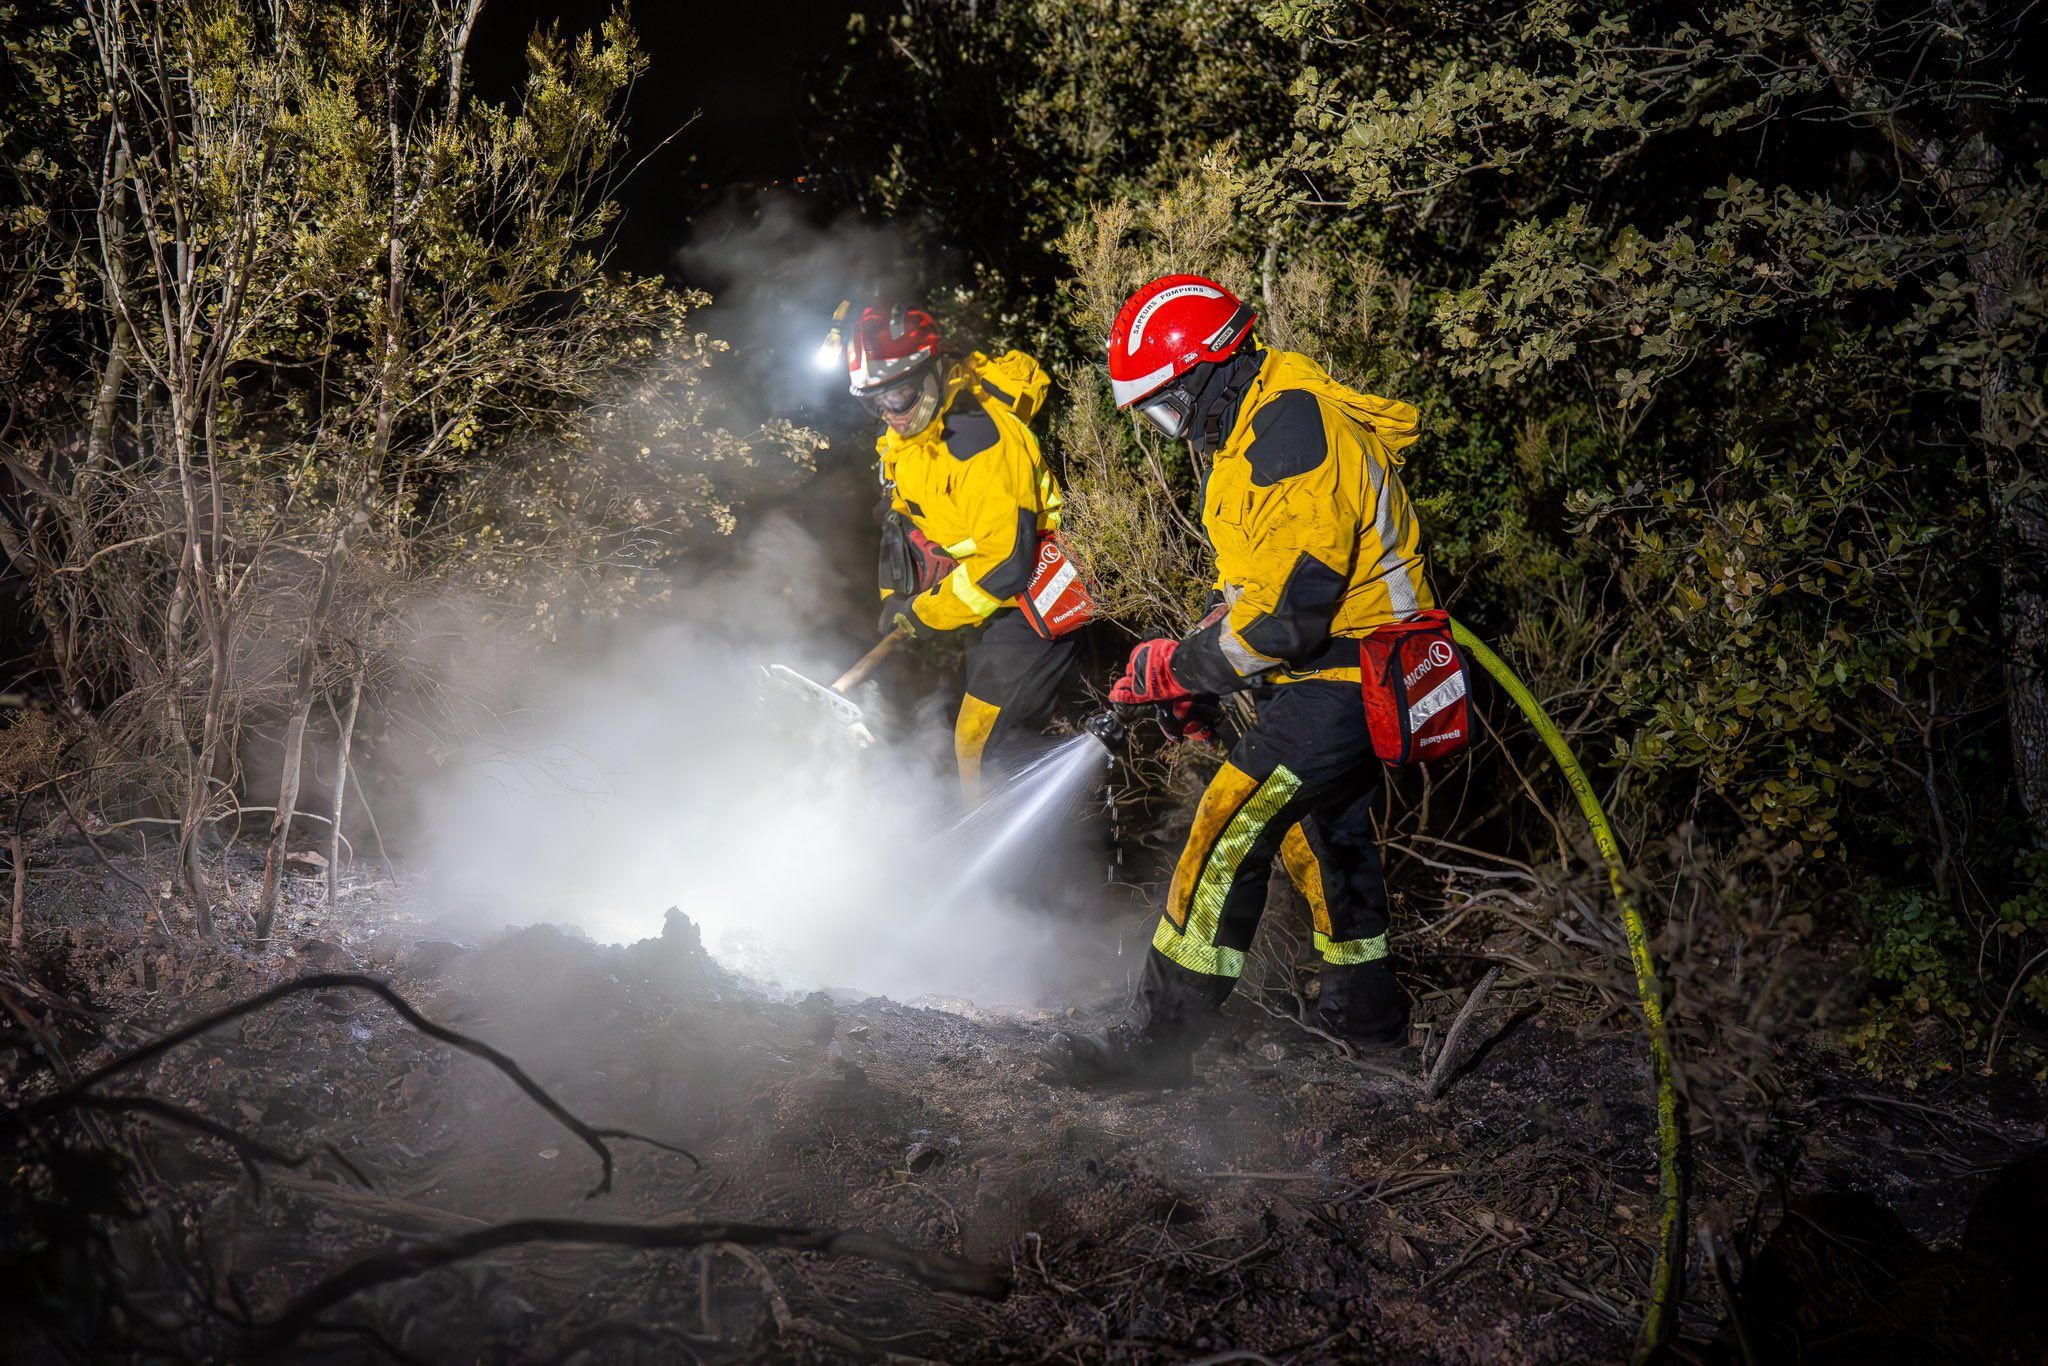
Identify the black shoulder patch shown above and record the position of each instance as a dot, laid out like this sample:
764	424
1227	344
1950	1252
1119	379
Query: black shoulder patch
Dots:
1300	621
1287	437
968	430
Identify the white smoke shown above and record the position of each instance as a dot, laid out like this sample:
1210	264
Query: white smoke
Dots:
653	777
775	271
613	787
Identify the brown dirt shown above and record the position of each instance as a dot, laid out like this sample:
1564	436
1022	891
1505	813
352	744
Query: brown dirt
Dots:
1292	1205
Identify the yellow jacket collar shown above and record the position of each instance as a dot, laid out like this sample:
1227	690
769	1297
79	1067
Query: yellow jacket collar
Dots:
1395	423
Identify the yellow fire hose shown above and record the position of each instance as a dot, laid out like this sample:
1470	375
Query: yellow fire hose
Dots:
1664	1285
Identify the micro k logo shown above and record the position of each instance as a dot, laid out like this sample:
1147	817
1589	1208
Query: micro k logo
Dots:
1440	657
1048	553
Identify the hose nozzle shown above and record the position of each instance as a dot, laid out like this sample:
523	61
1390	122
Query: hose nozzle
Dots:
1111	724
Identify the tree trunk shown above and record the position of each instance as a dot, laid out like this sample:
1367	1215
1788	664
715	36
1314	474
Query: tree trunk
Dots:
192	824
190	597
1968	167
346	727
17	932
2016	488
295	737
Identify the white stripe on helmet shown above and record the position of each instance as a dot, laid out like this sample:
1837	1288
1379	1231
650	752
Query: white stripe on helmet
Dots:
1129	391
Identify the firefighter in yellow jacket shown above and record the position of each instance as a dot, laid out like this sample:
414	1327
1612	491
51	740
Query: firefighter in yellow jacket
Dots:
1316	546
969	497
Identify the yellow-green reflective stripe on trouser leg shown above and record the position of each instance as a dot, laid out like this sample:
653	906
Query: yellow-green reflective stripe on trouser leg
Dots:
1305	870
1192	944
1346	951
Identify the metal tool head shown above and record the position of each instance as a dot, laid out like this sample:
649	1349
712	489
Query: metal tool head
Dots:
836	707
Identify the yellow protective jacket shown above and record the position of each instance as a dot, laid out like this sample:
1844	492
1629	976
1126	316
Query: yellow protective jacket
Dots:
975	483
1317	543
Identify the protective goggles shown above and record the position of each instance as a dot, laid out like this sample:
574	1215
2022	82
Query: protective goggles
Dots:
1171	409
902	397
1168	411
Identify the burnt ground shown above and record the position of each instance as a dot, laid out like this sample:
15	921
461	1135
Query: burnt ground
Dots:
1291	1205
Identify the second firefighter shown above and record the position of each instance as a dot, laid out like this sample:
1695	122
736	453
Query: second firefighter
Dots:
969	499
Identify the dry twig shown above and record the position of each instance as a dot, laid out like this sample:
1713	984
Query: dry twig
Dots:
1439	1075
593	1138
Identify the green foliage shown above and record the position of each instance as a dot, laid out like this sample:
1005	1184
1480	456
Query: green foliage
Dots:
304	337
1726	331
1916	961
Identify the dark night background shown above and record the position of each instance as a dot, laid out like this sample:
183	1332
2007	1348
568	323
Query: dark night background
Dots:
735	78
728	194
1722	327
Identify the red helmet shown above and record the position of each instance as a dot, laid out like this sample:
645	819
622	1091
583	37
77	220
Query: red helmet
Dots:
1168	328
891	366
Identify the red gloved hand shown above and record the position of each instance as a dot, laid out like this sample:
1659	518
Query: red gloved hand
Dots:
1149	675
929	562
1188	719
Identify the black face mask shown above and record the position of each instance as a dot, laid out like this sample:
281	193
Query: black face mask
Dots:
1194	406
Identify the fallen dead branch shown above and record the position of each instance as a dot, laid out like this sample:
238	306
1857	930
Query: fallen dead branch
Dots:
250	1152
787	1321
938	1270
1440	1073
592	1137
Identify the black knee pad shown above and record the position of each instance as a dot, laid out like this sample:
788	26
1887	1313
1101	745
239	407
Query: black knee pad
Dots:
1363	1001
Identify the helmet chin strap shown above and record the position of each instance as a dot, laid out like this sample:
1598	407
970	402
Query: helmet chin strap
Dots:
1219	395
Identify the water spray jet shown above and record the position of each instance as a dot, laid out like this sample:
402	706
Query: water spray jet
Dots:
1011	824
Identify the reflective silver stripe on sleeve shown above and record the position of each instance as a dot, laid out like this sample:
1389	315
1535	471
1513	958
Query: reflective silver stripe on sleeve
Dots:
1392	568
1248	662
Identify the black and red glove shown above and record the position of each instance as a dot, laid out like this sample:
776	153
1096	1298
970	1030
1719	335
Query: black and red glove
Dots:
1149	676
1190	718
929	563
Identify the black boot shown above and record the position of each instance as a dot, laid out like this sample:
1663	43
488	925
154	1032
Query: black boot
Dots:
1122	1053
1153	1043
1363	1004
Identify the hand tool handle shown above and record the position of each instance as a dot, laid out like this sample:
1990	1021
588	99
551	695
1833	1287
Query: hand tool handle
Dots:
869	660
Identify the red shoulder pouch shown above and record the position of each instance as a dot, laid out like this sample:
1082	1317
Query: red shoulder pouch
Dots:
1058	600
1413	673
